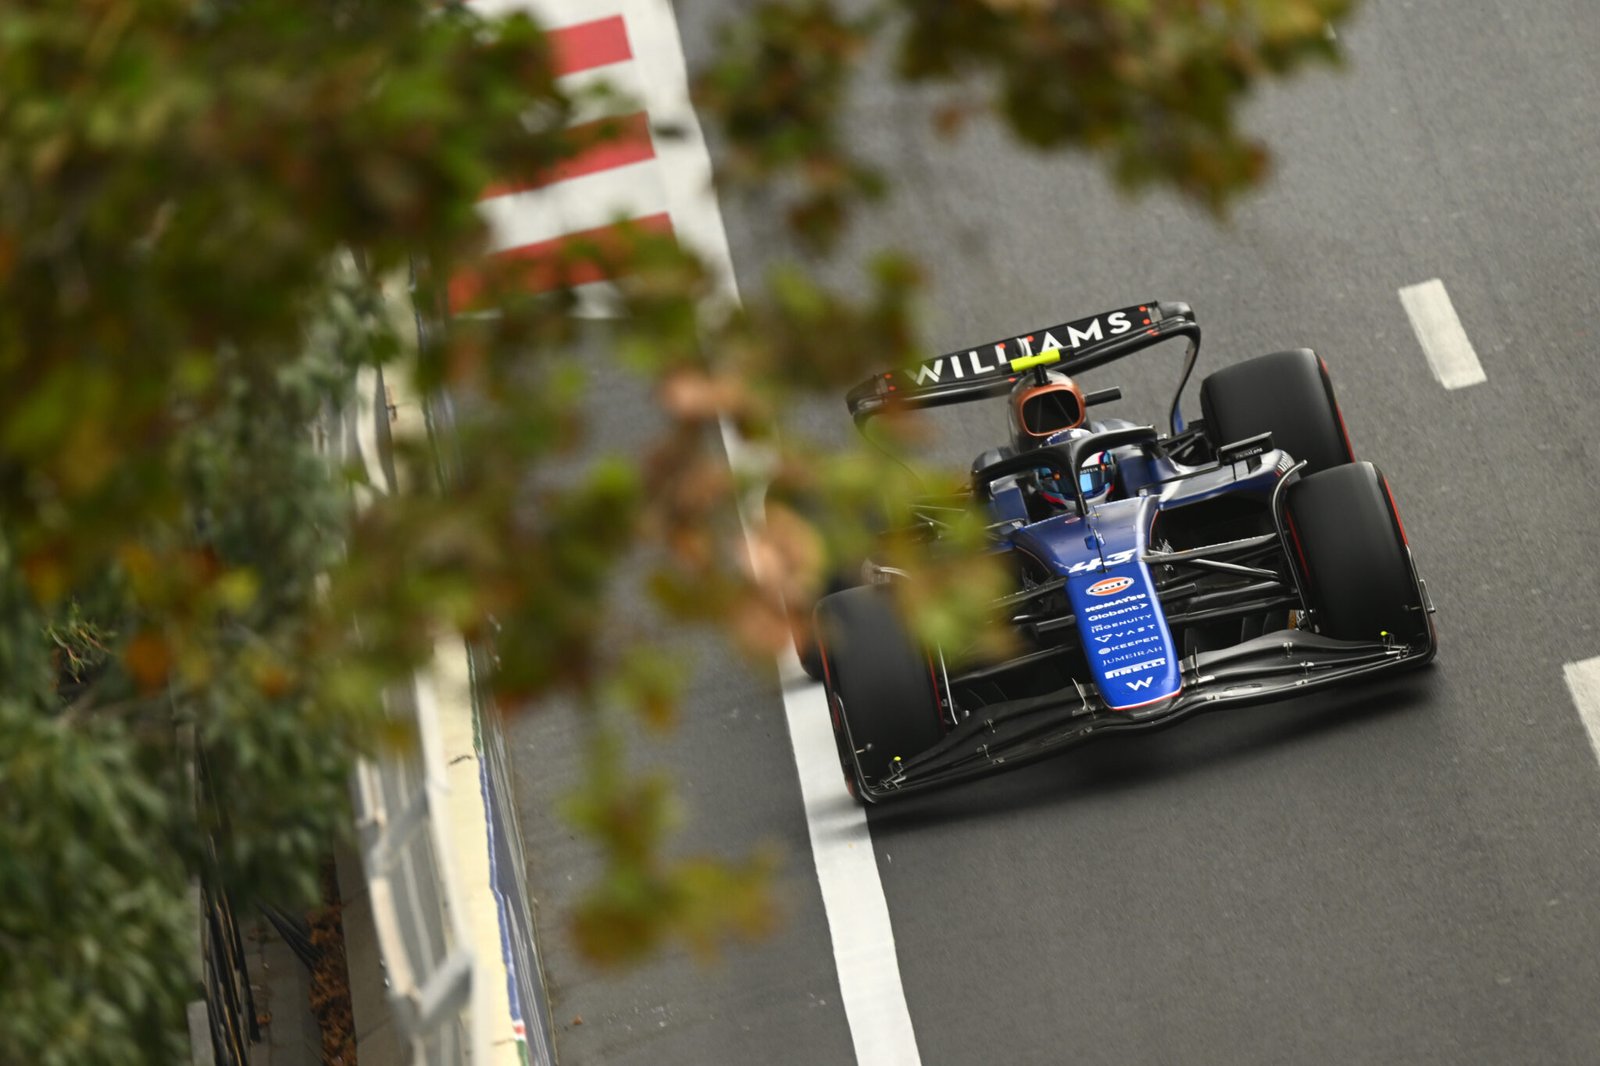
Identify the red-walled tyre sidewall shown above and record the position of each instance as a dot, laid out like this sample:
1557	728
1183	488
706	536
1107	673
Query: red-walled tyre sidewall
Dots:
1352	553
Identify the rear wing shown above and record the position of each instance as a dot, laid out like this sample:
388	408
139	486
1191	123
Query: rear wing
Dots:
1074	347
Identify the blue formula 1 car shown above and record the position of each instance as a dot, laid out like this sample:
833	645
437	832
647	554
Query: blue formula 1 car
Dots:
1243	557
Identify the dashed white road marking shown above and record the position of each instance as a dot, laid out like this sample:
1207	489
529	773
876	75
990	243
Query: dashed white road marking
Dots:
1583	681
1438	330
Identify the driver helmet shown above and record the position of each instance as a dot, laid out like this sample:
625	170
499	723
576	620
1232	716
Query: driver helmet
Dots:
1043	406
1097	474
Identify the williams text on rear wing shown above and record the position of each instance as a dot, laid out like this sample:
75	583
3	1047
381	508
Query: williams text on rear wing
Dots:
990	370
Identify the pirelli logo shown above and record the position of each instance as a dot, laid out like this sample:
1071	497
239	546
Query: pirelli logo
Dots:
1137	668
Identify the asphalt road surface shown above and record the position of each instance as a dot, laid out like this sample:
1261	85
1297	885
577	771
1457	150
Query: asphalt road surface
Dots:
1403	872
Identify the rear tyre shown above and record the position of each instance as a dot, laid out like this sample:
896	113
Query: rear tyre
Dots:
1353	557
880	685
1287	394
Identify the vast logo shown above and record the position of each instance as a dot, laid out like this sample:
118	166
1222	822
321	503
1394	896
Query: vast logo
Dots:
976	363
1109	587
1130	631
1143	682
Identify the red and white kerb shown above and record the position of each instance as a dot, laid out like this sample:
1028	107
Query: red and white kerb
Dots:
583	198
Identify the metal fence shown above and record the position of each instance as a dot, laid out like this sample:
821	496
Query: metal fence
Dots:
224	971
230	1002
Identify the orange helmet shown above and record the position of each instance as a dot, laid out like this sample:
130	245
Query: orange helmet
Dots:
1039	409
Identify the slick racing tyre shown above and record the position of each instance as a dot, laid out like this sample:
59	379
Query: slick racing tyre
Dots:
880	685
800	613
805	634
1352	553
1285	393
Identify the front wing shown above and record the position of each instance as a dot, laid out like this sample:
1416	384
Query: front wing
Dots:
1274	666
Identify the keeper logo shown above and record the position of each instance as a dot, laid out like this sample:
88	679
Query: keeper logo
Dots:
1136	642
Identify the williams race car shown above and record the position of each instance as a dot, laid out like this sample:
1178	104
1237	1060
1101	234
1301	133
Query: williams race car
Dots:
1243	557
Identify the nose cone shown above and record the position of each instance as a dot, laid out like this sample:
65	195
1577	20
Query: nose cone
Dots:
1124	636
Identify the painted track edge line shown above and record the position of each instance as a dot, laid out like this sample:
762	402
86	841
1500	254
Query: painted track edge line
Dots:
860	931
852	889
857	912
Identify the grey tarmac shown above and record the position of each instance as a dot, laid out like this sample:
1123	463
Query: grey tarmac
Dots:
1406	872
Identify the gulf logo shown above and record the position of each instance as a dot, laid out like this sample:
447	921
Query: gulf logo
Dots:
1109	587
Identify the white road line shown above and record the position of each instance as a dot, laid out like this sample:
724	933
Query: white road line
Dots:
679	181
852	893
1438	330
1583	681
841	845
577	204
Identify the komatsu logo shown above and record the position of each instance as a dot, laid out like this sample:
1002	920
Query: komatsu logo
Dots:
959	366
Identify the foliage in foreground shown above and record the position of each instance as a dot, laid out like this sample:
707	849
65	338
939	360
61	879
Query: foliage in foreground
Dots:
179	571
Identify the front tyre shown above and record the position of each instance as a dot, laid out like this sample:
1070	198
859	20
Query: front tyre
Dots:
802	614
880	685
803	628
1352	554
1287	394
